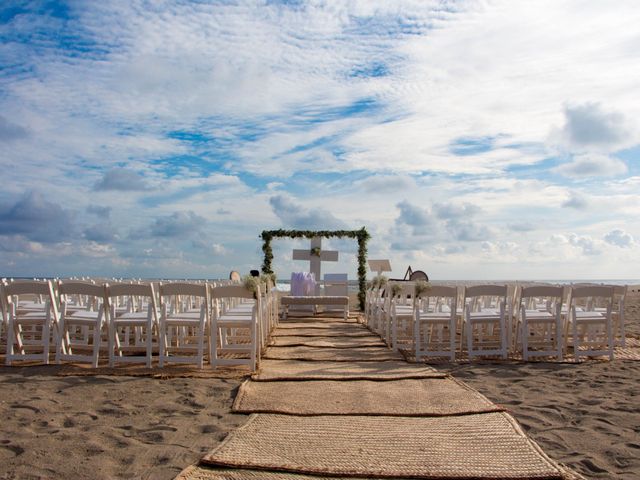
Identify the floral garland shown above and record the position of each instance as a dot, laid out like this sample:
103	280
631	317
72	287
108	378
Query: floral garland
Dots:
361	235
396	289
421	288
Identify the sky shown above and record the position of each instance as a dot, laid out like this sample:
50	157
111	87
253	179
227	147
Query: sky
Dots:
493	139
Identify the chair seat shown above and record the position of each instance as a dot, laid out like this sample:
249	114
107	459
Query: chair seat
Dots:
538	315
182	320
434	317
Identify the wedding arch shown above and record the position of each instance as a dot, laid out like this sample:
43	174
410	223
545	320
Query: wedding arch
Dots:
362	236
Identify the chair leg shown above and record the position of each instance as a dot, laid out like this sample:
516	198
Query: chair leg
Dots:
61	339
46	332
162	339
149	343
213	346
201	346
111	343
10	341
525	340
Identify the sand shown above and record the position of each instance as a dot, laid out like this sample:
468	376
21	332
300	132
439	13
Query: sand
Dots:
586	416
108	426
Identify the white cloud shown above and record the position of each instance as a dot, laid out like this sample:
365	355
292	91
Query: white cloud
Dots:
592	165
576	200
619	238
589	126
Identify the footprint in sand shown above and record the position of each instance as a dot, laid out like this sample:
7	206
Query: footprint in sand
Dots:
591	466
16	450
25	407
209	429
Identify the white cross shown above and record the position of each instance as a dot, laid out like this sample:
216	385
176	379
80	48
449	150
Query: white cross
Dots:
315	260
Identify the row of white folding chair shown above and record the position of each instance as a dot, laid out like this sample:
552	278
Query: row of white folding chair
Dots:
548	327
401	319
72	330
30	331
235	335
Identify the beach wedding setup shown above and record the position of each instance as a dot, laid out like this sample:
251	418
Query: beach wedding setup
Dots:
340	384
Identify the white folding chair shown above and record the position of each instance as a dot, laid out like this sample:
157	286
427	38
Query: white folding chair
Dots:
486	316
539	322
435	323
617	314
30	329
235	327
591	330
399	325
81	329
131	333
183	329
5	317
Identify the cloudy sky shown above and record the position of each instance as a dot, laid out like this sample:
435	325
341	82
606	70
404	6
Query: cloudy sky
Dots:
494	139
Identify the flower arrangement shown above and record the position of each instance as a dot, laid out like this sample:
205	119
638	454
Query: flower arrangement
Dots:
378	282
396	290
421	288
315	251
252	284
269	277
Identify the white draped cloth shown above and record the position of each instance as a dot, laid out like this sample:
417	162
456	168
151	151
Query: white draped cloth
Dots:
303	284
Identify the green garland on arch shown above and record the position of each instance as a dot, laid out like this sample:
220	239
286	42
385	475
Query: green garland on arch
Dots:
361	235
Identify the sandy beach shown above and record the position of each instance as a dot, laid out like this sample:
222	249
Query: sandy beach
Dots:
586	416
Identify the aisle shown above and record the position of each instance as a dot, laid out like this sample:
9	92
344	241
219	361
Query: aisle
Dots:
331	401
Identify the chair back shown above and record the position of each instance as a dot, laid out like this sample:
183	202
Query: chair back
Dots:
437	297
592	296
29	287
184	288
479	297
81	288
231	291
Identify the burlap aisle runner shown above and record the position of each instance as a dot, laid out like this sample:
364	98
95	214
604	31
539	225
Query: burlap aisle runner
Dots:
425	397
361	411
274	370
345	326
327	342
364	354
321	332
489	445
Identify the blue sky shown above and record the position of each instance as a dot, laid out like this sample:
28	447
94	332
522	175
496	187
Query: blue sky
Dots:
473	139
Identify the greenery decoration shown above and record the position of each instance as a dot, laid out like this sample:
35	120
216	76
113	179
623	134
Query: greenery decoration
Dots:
252	284
396	289
362	236
269	277
421	288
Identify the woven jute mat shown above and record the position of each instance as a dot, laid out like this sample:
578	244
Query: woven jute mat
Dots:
322	332
275	370
203	472
365	354
300	323
488	445
331	342
424	397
